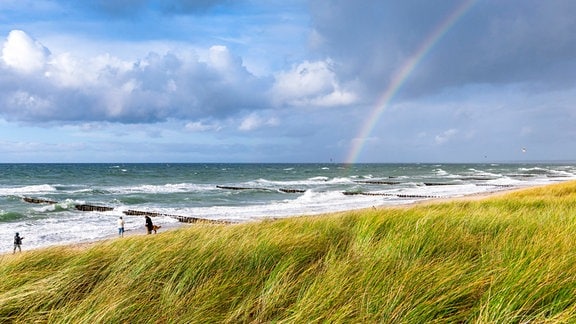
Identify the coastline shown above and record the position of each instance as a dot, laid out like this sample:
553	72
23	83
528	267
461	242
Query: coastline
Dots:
89	198
477	196
86	244
174	226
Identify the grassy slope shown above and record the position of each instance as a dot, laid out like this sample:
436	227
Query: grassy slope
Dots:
504	259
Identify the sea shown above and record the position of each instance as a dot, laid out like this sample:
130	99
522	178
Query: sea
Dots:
55	204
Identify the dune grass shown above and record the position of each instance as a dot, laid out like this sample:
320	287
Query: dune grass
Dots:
505	259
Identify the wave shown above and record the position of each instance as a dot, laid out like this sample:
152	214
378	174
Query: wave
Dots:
6	216
441	172
27	190
536	172
484	173
313	181
132	200
320	178
561	174
162	189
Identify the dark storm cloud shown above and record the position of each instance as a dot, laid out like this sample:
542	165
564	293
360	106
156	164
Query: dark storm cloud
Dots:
494	42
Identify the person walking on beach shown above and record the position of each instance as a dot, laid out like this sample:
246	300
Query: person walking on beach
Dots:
17	242
121	227
149	225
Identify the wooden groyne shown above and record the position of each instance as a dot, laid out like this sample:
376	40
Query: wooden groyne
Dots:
129	212
38	201
388	195
285	190
190	219
182	219
236	188
93	208
379	182
291	190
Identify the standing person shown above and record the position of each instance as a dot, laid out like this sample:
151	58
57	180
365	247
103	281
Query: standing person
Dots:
121	227
17	242
149	225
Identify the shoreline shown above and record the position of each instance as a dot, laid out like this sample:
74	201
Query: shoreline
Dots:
86	244
127	233
174	226
90	198
480	195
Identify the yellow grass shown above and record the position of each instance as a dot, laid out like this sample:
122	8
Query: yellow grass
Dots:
504	259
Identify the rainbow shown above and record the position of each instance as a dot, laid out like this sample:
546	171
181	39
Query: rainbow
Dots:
402	74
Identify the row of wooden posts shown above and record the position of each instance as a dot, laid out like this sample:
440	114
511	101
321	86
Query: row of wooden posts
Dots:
129	212
347	193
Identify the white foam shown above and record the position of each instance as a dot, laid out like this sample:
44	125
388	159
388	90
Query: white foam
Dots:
71	228
27	190
167	188
441	172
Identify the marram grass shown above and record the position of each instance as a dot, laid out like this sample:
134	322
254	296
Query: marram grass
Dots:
505	259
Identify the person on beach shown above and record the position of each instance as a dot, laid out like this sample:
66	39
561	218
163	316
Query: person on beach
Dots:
121	227
149	225
17	242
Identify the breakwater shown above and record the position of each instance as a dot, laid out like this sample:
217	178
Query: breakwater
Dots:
130	212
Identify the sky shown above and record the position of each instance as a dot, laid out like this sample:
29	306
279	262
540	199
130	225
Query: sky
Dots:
294	81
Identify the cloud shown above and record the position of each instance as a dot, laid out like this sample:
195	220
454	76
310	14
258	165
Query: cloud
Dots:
498	42
201	126
60	87
255	121
23	53
445	136
311	84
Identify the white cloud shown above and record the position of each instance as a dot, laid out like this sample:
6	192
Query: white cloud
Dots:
446	136
338	97
158	87
254	121
220	58
105	88
202	126
68	71
311	83
23	53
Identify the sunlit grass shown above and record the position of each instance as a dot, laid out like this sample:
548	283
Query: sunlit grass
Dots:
509	258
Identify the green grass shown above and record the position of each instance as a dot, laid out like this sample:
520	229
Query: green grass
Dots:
506	259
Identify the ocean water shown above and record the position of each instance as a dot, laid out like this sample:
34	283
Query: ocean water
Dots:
228	192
